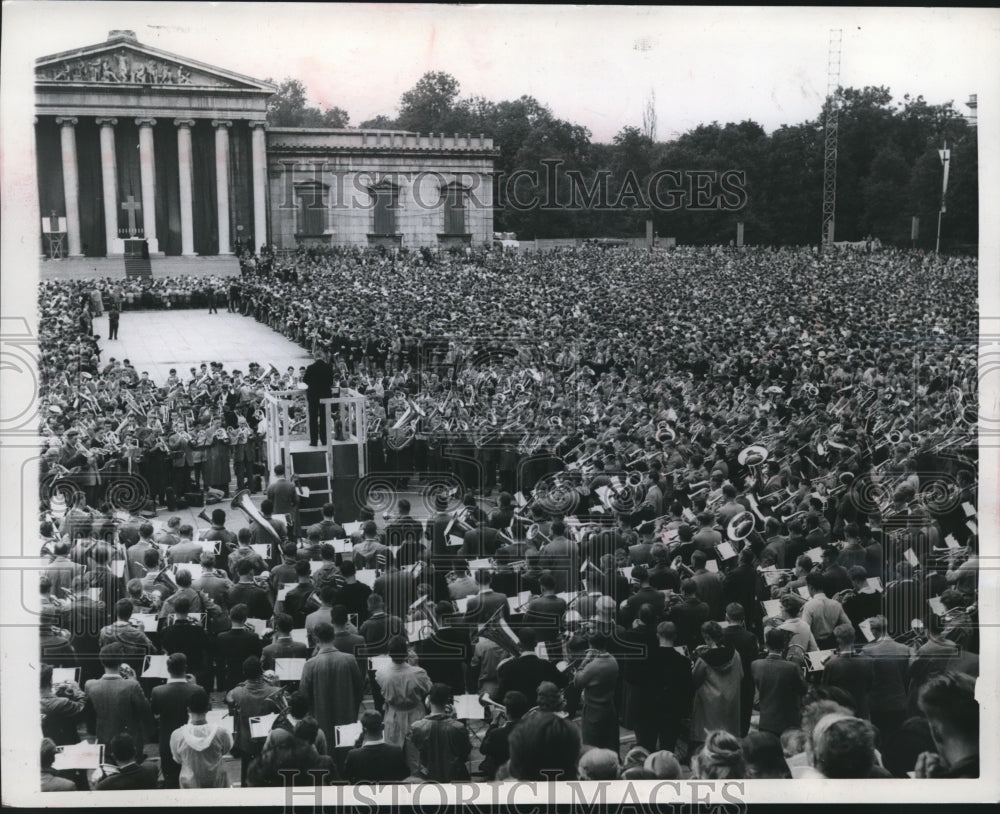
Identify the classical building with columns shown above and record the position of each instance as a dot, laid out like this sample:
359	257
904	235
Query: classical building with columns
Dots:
133	143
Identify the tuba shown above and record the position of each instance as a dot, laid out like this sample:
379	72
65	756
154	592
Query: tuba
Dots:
241	500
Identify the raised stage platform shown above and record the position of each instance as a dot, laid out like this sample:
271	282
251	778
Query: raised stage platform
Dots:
82	268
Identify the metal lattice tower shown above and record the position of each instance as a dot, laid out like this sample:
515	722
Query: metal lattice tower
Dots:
832	109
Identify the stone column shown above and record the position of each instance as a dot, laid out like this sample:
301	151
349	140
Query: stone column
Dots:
109	186
259	162
147	172
71	184
222	181
185	169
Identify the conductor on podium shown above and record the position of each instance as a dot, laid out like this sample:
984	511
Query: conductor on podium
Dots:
319	380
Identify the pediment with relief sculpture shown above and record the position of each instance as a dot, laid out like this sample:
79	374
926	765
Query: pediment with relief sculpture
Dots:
124	62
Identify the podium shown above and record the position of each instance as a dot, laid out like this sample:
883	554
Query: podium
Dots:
332	474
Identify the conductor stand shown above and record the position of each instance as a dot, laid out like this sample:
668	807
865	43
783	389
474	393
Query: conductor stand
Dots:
347	449
326	475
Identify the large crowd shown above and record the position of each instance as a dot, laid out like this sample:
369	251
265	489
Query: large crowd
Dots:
725	499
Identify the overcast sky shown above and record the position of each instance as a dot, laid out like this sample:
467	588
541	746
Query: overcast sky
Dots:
593	66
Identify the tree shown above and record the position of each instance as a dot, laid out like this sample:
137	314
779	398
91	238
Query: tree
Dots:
380	122
288	108
429	105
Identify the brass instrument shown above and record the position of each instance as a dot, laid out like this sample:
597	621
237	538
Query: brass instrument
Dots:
241	500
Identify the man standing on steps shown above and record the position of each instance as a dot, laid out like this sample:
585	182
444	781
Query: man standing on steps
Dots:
319	380
113	316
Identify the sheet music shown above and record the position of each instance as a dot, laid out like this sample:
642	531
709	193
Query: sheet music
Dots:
972	527
481	564
818	659
260	725
969	509
936	606
155	667
194	569
815	554
682	649
347	734
468	708
223	719
462	604
951	542
866	629
95	594
455	540
316	565
353	528
64	675
117	568
284	589
367	576
209	546
289	669
263	550
803	591
911	557
148	620
515	602
542	651
418	630
82	755
626	572
875	583
379	662
342	546
712	566
772	607
726	551
300	635
259	626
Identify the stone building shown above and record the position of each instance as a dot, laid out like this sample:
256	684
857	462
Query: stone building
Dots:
134	144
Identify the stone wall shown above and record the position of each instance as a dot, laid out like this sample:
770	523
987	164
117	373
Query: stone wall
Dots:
341	168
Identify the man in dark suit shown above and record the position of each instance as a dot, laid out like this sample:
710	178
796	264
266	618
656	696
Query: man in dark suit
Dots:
328	528
281	492
709	585
891	665
374	760
850	671
169	704
397	587
130	775
189	637
646	595
234	646
446	653
688	615
404	528
527	671
484	604
319	381
545	612
744	643
561	558
246	592
676	693
780	685
282	646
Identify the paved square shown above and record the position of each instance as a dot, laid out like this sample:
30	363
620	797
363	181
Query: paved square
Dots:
156	341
